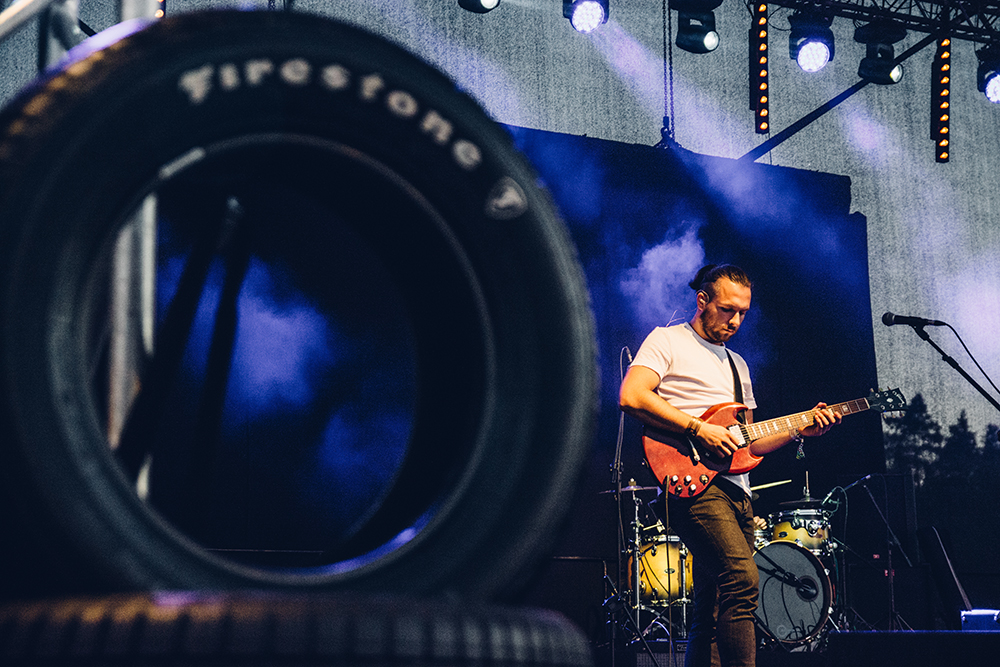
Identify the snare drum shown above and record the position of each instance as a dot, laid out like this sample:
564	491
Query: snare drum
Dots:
809	528
661	577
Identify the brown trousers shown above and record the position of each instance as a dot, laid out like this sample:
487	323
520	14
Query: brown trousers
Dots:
717	528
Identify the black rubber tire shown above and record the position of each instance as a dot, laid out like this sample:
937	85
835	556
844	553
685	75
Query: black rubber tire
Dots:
245	628
502	318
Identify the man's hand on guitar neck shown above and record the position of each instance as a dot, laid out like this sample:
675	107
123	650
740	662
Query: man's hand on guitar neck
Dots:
823	421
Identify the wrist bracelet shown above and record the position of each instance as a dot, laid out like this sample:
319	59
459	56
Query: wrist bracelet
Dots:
693	427
798	437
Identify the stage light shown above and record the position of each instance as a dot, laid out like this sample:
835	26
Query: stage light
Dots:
941	100
478	6
879	64
696	25
988	76
810	42
759	68
586	15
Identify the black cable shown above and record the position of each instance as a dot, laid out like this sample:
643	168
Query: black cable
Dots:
972	357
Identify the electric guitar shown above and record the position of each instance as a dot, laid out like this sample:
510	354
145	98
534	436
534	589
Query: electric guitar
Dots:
685	472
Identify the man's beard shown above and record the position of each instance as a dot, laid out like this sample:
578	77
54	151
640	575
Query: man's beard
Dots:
719	335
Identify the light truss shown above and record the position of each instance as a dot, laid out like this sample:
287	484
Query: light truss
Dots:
969	20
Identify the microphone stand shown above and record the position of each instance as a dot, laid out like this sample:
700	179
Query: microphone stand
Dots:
848	615
891	540
919	330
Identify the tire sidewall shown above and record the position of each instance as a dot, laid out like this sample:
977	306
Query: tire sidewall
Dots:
99	132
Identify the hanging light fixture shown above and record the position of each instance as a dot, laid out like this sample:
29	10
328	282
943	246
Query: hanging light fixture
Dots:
879	64
478	6
810	42
759	68
988	75
586	15
696	25
941	100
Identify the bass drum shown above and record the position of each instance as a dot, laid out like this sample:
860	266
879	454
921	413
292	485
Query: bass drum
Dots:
795	593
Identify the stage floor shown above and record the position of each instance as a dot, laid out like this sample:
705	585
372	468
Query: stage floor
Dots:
846	649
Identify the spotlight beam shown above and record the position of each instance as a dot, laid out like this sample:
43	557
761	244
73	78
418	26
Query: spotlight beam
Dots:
779	138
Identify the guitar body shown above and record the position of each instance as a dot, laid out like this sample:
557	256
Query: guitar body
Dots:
671	456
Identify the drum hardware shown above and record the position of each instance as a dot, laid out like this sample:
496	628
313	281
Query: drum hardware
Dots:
806	501
624	609
659	572
619	605
761	538
616	605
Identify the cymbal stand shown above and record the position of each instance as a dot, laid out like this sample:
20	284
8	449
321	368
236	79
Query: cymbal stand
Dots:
636	556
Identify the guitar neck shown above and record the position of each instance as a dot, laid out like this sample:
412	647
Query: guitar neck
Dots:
758	430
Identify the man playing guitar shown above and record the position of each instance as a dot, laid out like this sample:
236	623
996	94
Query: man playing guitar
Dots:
678	374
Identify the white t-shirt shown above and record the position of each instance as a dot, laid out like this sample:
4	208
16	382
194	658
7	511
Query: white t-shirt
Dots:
694	374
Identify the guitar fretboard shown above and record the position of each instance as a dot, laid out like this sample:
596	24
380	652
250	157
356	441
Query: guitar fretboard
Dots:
758	430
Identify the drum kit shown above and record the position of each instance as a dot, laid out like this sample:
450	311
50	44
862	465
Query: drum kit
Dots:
795	555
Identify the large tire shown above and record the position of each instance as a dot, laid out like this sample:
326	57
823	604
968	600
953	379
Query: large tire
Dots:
182	629
492	292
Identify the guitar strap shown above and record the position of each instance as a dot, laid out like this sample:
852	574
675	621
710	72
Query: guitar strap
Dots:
737	387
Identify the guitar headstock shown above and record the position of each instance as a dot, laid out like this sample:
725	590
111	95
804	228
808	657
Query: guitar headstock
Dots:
888	400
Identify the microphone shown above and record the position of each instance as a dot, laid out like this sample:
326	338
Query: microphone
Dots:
845	489
806	588
889	319
854	484
628	354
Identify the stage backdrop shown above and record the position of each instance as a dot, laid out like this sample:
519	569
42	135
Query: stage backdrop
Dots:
644	220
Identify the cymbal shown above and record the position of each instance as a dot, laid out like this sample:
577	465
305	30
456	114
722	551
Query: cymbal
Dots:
804	502
630	489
